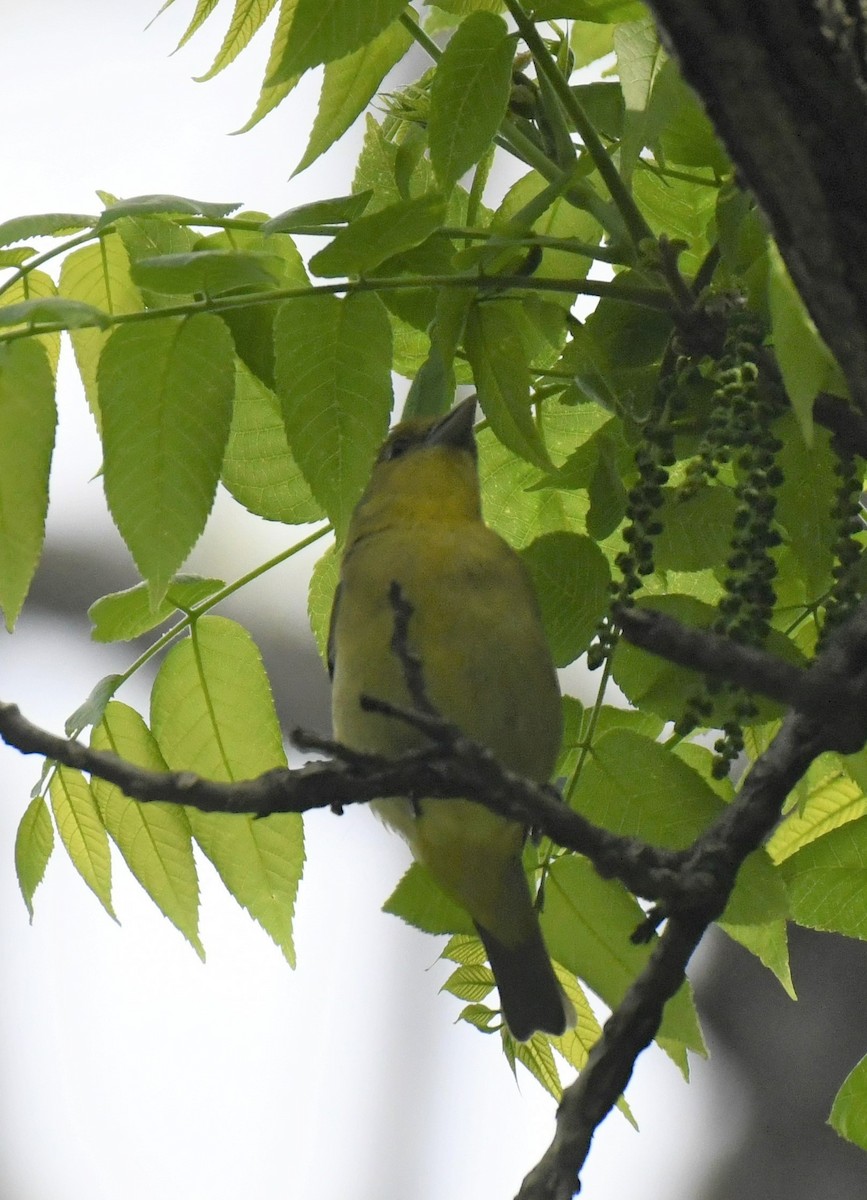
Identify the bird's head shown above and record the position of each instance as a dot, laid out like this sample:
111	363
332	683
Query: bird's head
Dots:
425	471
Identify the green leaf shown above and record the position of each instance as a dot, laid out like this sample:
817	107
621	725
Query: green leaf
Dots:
154	838
349	85
34	843
90	711
805	362
804	503
769	943
418	901
324	30
571	577
212	712
651	683
470	983
338	210
252	325
203	10
320	598
834	803
696	530
604	11
496	349
826	881
208	271
849	1111
249	16
54	310
334	382
98	275
681	209
122	616
469	94
538	1057
639	59
516	504
82	832
28	417
587	923
370	239
559	220
636	787
258	468
273	94
163	205
686	135
20	229
165	389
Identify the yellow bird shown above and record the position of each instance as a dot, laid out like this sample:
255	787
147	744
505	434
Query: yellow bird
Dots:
476	628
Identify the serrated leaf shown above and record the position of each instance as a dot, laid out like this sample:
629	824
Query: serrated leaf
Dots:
537	1056
252	325
91	710
98	275
495	347
827	807
769	943
849	1111
249	16
805	362
154	838
639	60
470	983
418	901
570	577
16	256
20	229
324	30
258	467
469	94
203	10
54	310
371	239
163	205
348	86
208	271
28	418
273	94
122	616
165	389
82	832
320	598
826	881
804	503
587	923
334	382
34	843
638	788
696	530
212	712
337	210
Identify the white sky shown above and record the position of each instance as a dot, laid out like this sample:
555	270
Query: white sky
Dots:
130	1069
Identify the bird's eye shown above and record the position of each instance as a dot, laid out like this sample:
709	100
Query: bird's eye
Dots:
395	448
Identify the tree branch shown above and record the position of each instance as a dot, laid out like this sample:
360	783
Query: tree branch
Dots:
775	78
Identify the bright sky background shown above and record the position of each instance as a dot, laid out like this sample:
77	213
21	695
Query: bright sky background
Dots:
130	1069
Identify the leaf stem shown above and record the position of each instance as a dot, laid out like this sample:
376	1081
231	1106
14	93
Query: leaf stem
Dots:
629	210
198	610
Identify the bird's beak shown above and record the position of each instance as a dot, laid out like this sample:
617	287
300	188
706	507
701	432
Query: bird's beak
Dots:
456	427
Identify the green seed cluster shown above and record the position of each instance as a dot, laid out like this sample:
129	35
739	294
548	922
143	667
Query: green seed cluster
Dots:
653	458
847	589
740	432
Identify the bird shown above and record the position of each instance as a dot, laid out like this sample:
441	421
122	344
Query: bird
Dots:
475	627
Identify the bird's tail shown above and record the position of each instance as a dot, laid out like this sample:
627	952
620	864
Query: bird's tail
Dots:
530	993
